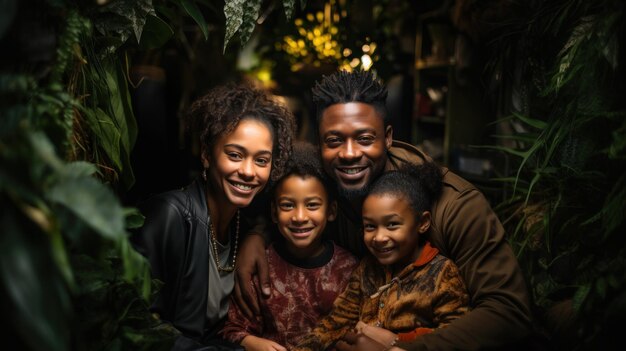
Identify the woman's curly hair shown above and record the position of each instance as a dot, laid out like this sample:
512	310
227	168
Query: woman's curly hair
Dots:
219	111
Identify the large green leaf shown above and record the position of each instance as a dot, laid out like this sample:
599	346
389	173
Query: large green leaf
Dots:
193	11
92	202
156	33
122	18
233	10
107	135
33	293
250	15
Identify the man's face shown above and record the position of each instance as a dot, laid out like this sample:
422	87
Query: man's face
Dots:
354	144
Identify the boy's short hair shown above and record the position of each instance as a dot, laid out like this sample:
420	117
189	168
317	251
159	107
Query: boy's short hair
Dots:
305	161
420	185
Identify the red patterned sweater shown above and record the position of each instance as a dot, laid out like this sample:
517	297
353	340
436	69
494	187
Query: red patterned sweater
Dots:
303	291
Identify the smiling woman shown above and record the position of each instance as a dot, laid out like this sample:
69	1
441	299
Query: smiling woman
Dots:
191	235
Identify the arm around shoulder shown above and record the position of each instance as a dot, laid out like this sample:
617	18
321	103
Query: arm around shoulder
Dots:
470	234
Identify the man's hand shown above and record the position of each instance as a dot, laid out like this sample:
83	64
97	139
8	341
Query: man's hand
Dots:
361	342
253	343
380	335
251	259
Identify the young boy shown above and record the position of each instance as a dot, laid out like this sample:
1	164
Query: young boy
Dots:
307	271
404	289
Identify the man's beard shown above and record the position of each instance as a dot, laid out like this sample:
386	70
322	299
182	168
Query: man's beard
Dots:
353	194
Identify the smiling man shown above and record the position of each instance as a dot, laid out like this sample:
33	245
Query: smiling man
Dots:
357	146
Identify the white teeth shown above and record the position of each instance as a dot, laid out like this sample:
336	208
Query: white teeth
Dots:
304	230
242	186
352	170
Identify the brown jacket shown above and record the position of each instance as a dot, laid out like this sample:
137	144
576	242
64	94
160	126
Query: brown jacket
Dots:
466	230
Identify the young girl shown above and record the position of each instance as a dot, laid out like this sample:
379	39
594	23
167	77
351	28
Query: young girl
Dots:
404	289
306	270
191	236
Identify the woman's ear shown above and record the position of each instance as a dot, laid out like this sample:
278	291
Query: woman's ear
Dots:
331	214
424	222
205	159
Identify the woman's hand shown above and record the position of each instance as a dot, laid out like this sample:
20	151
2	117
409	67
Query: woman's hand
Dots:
251	260
254	343
380	335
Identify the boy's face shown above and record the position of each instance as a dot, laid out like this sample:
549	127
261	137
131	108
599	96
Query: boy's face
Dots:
354	143
391	229
301	210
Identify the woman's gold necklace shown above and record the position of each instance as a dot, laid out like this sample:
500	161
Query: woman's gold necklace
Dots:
215	253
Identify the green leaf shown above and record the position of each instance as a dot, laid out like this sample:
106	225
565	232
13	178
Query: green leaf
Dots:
193	11
8	9
155	33
123	18
250	15
580	296
289	6
92	202
34	293
533	122
134	218
233	10
107	135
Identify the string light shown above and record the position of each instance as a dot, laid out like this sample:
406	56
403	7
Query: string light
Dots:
317	42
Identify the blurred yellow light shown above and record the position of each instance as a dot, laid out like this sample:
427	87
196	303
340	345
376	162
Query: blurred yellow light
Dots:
372	48
264	75
317	32
367	62
319	16
300	43
365	48
302	31
334	30
298	22
345	67
355	62
347	52
310	17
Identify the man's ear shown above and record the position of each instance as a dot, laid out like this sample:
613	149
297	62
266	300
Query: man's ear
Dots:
424	222
388	137
332	211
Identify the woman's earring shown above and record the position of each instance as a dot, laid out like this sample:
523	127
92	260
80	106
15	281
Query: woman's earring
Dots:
204	174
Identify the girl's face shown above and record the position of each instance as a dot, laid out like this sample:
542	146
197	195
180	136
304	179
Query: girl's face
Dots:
241	162
392	228
301	210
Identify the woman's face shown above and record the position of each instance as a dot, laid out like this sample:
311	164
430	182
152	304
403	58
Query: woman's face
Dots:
241	162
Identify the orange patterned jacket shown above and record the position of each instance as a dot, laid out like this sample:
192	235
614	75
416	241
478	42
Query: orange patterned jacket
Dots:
425	295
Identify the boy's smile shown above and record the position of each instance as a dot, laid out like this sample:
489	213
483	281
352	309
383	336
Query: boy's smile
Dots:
301	210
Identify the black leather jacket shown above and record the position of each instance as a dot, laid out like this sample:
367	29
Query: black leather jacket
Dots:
174	240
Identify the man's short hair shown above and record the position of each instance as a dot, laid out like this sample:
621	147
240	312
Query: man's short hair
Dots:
344	87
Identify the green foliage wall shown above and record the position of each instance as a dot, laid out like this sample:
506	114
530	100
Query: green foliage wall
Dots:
69	277
562	64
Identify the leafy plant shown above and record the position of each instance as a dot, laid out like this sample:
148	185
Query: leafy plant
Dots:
70	279
566	211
